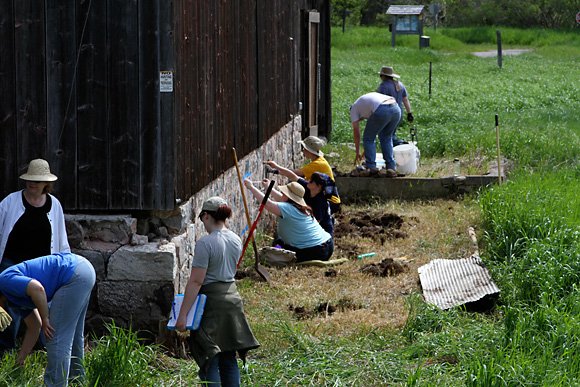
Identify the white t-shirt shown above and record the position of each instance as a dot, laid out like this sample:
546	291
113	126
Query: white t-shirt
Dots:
219	253
366	105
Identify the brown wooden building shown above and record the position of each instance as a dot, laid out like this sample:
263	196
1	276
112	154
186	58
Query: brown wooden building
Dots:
137	104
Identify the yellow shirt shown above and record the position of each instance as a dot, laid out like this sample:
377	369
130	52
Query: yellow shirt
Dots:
322	166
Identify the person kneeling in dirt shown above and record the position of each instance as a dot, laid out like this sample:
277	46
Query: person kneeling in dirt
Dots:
311	146
315	194
297	228
64	280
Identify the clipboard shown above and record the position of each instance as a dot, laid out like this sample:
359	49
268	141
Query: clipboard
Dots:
193	316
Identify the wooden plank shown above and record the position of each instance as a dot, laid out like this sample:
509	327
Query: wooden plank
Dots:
61	48
123	104
166	173
92	113
8	133
149	104
30	80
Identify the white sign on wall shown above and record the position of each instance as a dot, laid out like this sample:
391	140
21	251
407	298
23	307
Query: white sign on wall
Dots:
166	81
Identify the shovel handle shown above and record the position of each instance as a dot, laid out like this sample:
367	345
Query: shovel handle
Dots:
257	218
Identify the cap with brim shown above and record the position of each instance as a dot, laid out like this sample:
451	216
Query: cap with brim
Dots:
213	203
38	170
294	191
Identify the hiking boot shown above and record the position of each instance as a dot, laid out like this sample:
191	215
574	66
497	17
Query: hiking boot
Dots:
391	173
365	173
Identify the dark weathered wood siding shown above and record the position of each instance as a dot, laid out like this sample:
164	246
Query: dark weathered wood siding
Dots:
79	86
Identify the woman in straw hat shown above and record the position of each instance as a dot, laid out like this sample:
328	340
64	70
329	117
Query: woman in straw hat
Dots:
297	228
31	225
224	329
396	89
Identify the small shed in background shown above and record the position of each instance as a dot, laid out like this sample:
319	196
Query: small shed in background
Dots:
407	20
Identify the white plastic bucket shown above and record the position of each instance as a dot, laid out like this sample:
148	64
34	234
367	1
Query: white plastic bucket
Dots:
406	157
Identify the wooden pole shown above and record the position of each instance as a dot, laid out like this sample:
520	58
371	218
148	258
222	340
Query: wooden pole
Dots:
499	59
498	157
430	72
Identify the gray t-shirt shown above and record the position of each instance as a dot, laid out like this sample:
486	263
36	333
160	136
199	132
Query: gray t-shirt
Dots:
366	105
219	253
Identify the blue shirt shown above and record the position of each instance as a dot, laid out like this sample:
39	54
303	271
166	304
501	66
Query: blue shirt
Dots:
388	88
299	230
52	271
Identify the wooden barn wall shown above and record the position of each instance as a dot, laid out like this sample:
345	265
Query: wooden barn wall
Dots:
79	86
237	77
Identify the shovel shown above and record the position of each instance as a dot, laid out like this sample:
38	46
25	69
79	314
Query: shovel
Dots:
259	268
256	223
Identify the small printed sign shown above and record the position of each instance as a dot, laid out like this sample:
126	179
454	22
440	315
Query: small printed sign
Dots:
166	81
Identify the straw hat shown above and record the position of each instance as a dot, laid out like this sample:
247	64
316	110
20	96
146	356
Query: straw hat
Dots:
388	71
294	191
313	144
38	170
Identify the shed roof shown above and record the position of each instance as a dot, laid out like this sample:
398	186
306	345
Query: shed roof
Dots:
405	9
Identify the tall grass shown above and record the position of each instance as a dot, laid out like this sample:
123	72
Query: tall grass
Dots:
535	95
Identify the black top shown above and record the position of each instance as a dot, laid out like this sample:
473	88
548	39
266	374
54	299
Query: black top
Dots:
31	235
320	208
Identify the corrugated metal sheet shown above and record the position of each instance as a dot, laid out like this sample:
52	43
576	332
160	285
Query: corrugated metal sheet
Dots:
405	9
451	282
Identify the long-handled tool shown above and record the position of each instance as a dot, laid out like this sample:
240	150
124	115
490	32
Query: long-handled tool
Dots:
256	221
259	268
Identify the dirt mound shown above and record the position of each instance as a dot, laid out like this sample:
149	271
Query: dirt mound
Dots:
386	268
325	308
379	226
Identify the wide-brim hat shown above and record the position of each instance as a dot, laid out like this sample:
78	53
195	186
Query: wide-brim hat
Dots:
38	170
294	191
388	71
313	144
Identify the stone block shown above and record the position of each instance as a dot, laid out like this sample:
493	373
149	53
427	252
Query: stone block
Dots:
137	302
150	262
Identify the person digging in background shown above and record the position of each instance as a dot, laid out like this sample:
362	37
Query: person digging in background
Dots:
315	194
297	229
311	146
65	281
31	225
382	114
396	89
224	329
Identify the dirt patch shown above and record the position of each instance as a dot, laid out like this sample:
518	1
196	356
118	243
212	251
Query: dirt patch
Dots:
386	268
377	226
324	309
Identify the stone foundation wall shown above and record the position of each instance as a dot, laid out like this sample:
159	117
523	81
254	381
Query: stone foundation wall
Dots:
142	260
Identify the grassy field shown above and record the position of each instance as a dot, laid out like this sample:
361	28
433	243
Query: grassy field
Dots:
382	332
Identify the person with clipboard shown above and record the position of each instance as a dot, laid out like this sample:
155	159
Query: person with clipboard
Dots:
224	329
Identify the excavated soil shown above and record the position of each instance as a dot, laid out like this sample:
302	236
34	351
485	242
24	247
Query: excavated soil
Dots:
324	309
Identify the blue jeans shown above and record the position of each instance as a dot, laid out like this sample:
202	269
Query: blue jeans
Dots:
8	337
222	370
382	123
67	316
